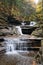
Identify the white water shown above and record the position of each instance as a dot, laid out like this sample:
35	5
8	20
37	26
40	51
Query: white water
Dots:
10	46
18	30
32	23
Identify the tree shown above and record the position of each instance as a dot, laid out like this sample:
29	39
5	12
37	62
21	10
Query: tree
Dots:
39	17
18	8
26	9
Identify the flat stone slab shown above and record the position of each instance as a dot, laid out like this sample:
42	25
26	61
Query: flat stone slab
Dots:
2	48
15	59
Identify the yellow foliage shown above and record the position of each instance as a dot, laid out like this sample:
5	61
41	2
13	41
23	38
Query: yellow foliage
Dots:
15	12
39	7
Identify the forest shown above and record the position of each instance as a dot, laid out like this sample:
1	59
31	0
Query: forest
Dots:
22	10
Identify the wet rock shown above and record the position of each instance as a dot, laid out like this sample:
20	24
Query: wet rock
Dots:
1	39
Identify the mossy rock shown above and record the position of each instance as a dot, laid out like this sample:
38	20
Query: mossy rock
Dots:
1	33
38	32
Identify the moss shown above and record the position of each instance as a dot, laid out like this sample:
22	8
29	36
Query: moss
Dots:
38	32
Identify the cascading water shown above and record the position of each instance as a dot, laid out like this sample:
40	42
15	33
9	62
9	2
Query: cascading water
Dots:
10	47
32	23
18	30
13	45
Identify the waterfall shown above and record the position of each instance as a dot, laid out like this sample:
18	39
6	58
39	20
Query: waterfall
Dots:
13	45
32	23
18	30
10	46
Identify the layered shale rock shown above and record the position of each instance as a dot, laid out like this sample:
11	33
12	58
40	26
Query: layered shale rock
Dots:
39	31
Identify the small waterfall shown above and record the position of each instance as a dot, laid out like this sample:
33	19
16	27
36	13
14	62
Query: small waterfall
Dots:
10	46
13	45
18	30
32	23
